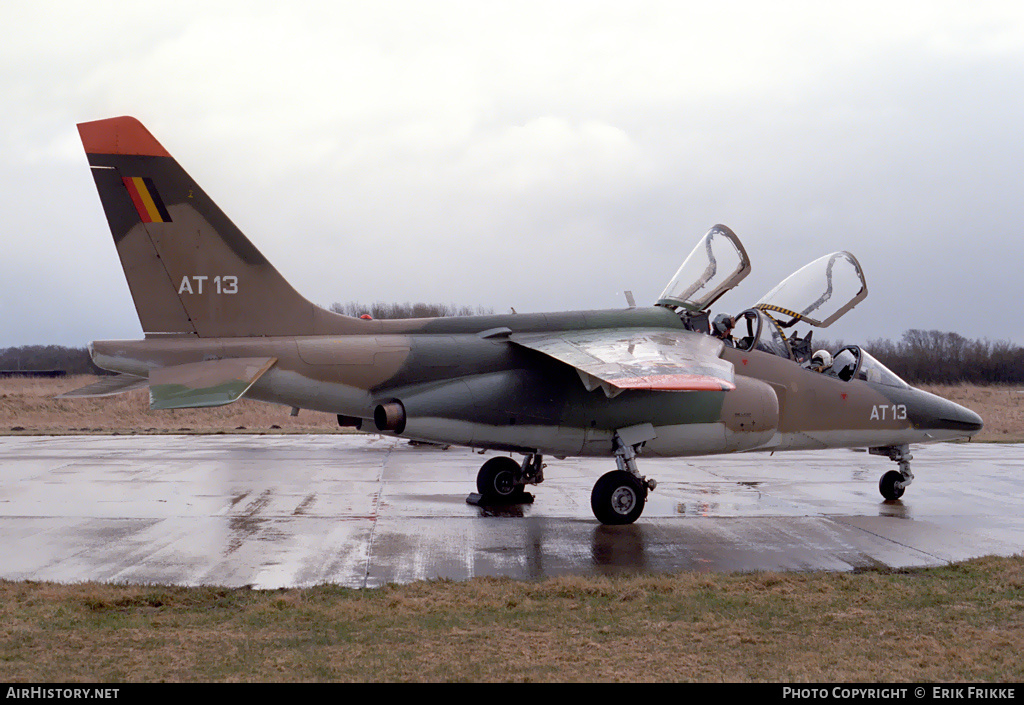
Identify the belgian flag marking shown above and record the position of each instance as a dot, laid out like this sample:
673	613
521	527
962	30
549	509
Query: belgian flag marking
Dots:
146	199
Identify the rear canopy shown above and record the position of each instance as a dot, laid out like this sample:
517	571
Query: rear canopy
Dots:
716	264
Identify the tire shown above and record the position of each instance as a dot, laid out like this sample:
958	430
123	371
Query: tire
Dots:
887	485
618	498
496	481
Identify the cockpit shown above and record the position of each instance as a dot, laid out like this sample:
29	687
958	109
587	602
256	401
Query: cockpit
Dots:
853	363
756	329
784	320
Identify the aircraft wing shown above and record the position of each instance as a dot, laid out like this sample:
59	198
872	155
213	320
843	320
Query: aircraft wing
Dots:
202	384
617	359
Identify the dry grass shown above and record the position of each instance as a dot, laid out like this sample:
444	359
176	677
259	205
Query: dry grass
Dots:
957	623
27	406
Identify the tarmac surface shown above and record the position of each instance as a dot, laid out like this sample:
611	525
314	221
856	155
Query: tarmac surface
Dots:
360	510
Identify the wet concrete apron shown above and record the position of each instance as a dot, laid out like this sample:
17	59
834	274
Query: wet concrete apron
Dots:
361	510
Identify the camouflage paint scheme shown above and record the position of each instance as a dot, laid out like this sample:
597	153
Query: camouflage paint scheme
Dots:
220	322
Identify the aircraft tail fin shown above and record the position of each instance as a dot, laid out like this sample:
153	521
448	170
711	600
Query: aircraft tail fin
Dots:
191	271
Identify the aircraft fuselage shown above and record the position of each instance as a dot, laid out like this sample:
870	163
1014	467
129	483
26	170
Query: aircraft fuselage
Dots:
457	386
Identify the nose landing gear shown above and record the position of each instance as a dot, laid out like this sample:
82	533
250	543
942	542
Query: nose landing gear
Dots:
893	483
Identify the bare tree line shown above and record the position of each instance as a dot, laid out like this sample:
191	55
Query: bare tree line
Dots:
919	357
382	309
937	357
74	361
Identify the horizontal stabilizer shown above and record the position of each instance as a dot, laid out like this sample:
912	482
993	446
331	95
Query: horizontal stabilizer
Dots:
202	384
617	359
106	387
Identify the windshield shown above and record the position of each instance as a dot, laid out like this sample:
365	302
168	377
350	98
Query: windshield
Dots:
756	330
853	363
820	292
772	339
871	370
716	264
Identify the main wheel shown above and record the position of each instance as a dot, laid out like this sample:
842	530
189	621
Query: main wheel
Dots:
888	485
618	498
496	481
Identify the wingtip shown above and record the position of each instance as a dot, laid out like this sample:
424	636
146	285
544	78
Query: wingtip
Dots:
119	135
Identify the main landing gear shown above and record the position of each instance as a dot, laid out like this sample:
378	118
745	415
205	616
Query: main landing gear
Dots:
893	483
502	480
618	497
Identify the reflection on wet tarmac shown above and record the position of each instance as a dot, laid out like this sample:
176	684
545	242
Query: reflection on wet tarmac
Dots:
364	510
514	511
893	508
619	547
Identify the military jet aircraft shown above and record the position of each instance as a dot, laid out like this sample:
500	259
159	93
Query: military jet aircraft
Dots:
221	323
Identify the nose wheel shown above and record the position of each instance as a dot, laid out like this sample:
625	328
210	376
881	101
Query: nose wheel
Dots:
894	483
891	485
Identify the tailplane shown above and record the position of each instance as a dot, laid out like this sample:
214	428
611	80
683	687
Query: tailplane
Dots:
191	271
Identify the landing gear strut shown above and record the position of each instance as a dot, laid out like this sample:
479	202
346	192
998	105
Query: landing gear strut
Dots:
619	496
893	483
502	480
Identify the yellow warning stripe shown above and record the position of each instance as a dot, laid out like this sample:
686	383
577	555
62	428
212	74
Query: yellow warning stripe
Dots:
786	311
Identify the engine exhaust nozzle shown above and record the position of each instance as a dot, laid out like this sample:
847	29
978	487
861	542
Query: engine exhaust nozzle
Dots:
390	417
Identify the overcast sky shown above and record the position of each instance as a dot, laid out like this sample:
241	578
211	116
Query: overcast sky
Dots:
544	156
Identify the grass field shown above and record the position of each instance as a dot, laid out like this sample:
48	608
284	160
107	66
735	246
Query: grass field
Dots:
956	623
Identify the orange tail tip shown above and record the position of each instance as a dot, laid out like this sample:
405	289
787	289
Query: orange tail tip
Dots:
120	135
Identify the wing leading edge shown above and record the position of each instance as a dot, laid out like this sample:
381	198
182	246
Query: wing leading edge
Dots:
617	359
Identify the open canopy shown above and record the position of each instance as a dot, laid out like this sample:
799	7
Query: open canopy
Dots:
716	264
819	293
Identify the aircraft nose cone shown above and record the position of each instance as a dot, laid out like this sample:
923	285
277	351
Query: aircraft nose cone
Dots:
953	417
962	419
949	419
